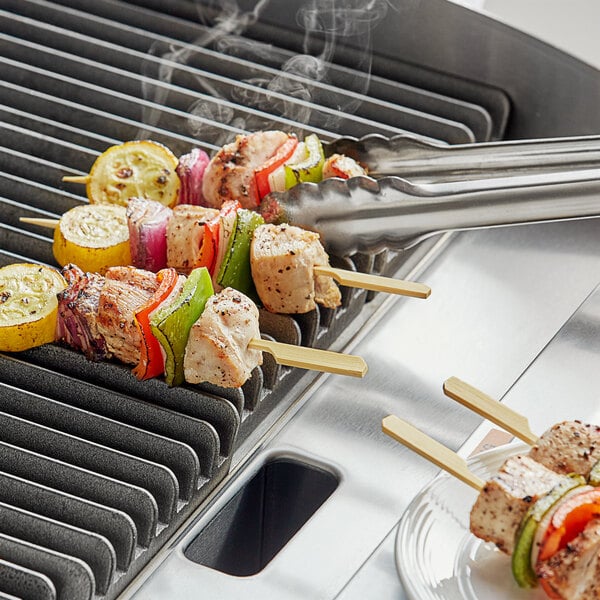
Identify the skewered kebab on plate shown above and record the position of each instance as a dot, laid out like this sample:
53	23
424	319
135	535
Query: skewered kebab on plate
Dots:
546	517
200	336
568	447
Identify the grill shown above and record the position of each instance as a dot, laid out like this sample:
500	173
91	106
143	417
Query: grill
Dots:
98	471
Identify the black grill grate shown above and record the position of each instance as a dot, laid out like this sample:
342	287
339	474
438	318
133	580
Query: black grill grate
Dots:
98	470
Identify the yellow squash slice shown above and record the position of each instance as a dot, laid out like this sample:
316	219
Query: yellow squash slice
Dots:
138	169
28	305
94	237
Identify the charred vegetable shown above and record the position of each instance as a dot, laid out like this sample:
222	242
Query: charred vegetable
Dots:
190	170
28	305
235	268
171	325
522	568
151	359
147	222
142	169
93	237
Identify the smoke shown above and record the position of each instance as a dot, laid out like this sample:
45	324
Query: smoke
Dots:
295	90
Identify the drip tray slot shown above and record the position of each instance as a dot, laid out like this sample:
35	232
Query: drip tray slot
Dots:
262	517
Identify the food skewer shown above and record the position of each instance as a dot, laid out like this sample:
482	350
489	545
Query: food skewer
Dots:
353	279
547	522
41	222
351	211
491	409
84	179
565	447
95	315
376	283
430	449
312	358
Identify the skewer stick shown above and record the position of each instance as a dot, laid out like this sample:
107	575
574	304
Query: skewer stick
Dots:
375	282
491	409
85	179
430	449
48	223
348	278
312	358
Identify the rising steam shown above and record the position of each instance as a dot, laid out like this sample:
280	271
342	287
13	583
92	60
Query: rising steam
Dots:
295	91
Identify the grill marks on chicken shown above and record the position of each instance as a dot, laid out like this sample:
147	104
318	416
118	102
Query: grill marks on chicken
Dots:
505	498
568	447
230	173
217	349
77	323
125	290
283	258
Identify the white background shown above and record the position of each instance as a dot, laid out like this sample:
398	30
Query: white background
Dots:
571	25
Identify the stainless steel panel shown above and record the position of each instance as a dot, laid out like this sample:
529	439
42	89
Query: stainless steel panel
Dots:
498	298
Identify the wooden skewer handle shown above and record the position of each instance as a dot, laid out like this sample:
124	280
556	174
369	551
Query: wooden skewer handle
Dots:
48	223
491	409
430	449
85	179
375	282
312	358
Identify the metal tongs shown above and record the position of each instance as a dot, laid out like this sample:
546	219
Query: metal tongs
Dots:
476	186
423	160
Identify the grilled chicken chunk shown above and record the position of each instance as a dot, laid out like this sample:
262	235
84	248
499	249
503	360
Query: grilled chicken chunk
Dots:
230	173
568	447
339	165
77	323
573	572
217	348
139	278
283	258
503	501
125	290
185	232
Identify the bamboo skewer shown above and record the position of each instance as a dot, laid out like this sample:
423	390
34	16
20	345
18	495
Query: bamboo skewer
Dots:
312	358
491	409
85	179
41	222
347	278
375	282
430	449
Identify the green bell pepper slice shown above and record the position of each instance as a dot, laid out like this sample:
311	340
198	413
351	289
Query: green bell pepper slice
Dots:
171	324
235	269
522	569
310	168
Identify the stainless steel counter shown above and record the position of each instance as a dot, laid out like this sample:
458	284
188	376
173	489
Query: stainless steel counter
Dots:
499	297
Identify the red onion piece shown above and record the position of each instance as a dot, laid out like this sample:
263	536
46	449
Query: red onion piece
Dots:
147	222
191	169
77	313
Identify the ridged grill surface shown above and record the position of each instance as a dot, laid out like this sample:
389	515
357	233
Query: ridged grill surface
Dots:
97	470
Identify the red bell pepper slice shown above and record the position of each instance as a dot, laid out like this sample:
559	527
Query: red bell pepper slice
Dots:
210	241
151	358
283	154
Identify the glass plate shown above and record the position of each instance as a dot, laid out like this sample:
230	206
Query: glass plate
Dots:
436	555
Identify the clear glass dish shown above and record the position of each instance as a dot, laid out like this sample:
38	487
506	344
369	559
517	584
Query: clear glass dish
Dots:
436	555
